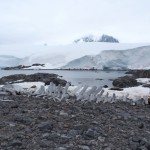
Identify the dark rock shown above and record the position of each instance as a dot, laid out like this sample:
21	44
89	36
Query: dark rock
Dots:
116	89
37	64
45	126
146	85
126	81
136	138
134	146
4	104
50	136
98	79
12	78
44	143
139	73
141	125
16	143
14	105
105	86
22	119
142	148
125	115
103	38
81	127
72	133
56	81
64	140
39	77
34	86
110	146
43	77
148	146
90	134
143	142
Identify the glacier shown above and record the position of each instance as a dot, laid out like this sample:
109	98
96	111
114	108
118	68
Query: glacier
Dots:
137	58
9	61
83	55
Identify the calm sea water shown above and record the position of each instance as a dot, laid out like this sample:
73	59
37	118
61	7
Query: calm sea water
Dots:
90	78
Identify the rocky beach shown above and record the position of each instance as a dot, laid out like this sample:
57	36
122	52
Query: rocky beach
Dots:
45	124
42	122
74	75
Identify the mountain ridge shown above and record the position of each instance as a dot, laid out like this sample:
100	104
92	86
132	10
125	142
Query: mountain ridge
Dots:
93	56
92	38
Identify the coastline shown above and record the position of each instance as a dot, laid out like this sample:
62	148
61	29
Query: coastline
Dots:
44	122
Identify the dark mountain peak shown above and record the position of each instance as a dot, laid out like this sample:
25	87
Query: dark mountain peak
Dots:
92	38
107	38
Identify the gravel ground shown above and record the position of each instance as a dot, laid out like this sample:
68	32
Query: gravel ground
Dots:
41	124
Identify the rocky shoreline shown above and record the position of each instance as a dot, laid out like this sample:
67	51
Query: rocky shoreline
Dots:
41	123
37	77
130	80
33	123
20	67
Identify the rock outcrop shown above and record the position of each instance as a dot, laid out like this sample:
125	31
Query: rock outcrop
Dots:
43	77
139	73
92	38
126	81
130	81
22	67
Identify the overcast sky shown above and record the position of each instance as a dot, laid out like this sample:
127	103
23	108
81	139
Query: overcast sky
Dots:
35	22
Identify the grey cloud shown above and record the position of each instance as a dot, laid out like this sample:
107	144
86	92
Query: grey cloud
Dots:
62	21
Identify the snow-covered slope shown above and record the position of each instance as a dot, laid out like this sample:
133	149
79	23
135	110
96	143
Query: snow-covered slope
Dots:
57	56
92	38
137	58
7	61
50	60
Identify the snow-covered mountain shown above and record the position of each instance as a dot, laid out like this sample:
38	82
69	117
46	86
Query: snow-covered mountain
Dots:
92	38
70	52
58	56
137	58
7	61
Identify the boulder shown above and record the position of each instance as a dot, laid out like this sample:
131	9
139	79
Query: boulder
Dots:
56	81
126	81
116	89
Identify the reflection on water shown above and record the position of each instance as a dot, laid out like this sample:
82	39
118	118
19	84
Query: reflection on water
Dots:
90	78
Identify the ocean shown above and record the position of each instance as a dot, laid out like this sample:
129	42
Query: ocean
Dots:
90	78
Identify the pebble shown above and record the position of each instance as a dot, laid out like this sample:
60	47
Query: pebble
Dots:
16	143
101	139
83	147
44	126
73	125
